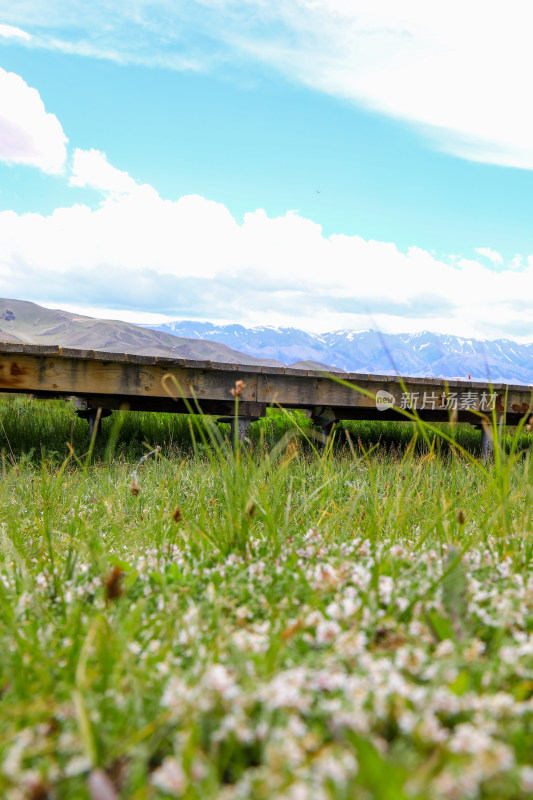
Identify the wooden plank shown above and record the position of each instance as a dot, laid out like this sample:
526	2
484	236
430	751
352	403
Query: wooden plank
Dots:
42	349
304	391
273	370
218	365
73	352
100	355
134	358
193	364
11	347
74	376
393	415
254	368
167	405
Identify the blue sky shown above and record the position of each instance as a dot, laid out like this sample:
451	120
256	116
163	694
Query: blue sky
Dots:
323	165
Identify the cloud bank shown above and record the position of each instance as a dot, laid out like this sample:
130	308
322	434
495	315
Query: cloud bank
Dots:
191	258
135	251
28	133
459	72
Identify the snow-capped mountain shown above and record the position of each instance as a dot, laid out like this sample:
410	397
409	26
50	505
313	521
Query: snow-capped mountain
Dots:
425	354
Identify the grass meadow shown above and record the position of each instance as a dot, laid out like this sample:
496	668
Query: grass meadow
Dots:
286	621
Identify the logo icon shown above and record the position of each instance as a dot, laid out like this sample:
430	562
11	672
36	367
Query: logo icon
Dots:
384	400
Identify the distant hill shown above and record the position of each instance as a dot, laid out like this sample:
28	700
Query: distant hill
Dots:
421	354
21	321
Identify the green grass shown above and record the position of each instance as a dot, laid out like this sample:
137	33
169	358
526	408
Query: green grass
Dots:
287	622
33	430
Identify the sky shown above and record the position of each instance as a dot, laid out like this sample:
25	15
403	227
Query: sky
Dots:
321	164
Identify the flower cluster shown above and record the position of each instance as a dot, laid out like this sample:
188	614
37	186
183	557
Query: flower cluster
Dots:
290	672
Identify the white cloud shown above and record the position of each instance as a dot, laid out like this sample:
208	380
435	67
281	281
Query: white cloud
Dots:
137	317
492	255
190	258
12	32
28	133
458	71
90	168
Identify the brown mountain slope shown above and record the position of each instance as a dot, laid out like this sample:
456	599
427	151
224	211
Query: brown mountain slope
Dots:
21	321
8	337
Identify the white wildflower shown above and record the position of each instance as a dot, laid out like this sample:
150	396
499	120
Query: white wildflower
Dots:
177	695
285	690
469	739
444	648
526	779
385	587
326	632
77	765
430	730
170	777
218	678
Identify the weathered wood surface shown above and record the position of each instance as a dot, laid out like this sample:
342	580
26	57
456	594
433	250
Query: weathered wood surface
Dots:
119	380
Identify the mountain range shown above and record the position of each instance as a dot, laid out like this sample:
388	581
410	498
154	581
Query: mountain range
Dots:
422	354
21	321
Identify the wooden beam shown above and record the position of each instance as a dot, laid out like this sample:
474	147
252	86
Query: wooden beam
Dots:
149	383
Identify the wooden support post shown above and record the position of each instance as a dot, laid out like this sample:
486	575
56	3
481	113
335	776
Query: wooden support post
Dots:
325	418
243	423
326	429
487	445
93	417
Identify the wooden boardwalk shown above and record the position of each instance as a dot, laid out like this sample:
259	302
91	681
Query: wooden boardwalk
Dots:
123	381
